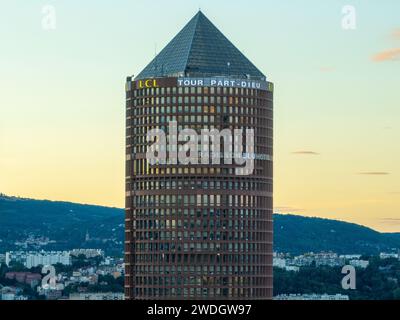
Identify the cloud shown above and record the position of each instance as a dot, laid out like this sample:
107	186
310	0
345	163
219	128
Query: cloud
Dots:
387	55
306	152
327	69
286	209
393	221
374	173
396	33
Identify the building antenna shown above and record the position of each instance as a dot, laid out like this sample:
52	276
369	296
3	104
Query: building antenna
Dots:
155	56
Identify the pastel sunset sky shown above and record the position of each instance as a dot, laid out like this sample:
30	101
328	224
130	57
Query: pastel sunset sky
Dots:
337	97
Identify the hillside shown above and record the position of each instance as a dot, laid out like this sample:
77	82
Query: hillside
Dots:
63	222
66	224
297	234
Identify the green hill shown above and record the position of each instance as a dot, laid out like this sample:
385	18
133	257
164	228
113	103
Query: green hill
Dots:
298	234
63	222
67	224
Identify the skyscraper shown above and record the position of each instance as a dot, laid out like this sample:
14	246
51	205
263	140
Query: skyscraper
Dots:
198	229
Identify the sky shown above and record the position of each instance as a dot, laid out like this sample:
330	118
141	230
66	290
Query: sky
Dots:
336	99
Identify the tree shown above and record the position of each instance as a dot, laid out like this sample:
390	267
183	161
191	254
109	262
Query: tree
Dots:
3	270
396	294
17	267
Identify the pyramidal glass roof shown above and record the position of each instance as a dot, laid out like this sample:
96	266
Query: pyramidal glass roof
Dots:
200	50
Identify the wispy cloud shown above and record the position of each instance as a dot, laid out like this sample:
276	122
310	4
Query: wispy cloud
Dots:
374	173
387	55
287	209
306	152
327	69
396	33
393	221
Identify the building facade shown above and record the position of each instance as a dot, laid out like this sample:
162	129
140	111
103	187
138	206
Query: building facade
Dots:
33	259
198	229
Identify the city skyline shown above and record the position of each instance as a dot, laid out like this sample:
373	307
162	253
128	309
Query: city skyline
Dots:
335	97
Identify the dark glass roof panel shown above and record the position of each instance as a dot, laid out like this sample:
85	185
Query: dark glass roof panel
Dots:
200	49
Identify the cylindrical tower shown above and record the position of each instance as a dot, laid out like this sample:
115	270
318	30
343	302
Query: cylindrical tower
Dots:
198	230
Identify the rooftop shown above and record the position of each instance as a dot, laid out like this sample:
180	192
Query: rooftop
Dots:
200	50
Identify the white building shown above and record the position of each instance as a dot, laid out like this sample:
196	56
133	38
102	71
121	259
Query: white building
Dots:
329	259
88	253
279	263
48	258
303	260
97	296
8	293
359	263
350	256
311	297
8	296
320	259
8	258
292	268
384	255
34	259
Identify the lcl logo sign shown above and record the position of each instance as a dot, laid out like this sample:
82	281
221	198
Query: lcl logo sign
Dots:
149	83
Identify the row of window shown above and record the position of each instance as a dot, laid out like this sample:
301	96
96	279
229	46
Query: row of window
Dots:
203	109
165	160
217	222
200	281
193	293
249	213
153	105
197	184
165	270
204	200
243	255
163	252
146	169
203	119
142	130
151	101
200	236
196	90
